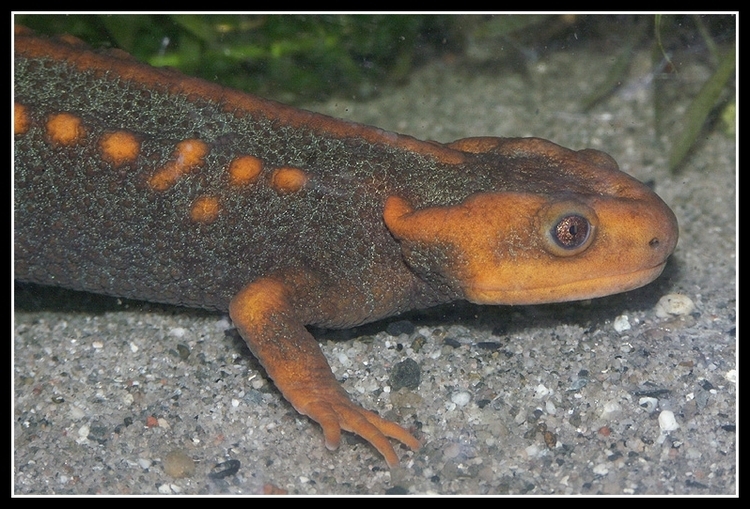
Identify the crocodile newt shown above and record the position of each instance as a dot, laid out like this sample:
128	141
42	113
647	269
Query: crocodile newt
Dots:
143	183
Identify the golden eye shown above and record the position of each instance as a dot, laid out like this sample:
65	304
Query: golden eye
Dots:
571	232
567	227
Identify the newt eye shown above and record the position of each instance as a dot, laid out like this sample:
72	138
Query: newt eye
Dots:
571	232
567	227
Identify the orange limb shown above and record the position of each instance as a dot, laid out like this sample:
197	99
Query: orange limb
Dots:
270	325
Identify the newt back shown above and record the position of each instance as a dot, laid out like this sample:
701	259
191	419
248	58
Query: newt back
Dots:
198	195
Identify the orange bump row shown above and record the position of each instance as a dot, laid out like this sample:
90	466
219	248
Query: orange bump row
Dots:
205	209
21	120
244	170
65	129
188	154
120	147
288	180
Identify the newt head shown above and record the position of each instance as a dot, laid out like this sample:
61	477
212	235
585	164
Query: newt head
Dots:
571	227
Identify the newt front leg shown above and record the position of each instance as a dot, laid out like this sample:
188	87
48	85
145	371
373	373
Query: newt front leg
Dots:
272	328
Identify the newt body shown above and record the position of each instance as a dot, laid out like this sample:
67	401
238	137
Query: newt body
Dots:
143	183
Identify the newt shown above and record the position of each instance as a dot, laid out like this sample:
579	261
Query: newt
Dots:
143	183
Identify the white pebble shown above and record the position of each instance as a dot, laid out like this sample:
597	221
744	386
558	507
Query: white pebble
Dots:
622	323
610	408
541	391
601	469
177	332
648	403
674	304
533	451
667	422
83	431
223	323
460	398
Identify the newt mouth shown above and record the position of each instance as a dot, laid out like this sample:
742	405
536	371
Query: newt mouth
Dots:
578	290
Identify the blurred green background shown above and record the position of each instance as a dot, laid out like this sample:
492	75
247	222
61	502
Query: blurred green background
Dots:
302	58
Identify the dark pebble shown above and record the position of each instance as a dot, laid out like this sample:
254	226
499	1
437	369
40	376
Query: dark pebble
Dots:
400	327
452	343
397	490
225	469
405	374
489	345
